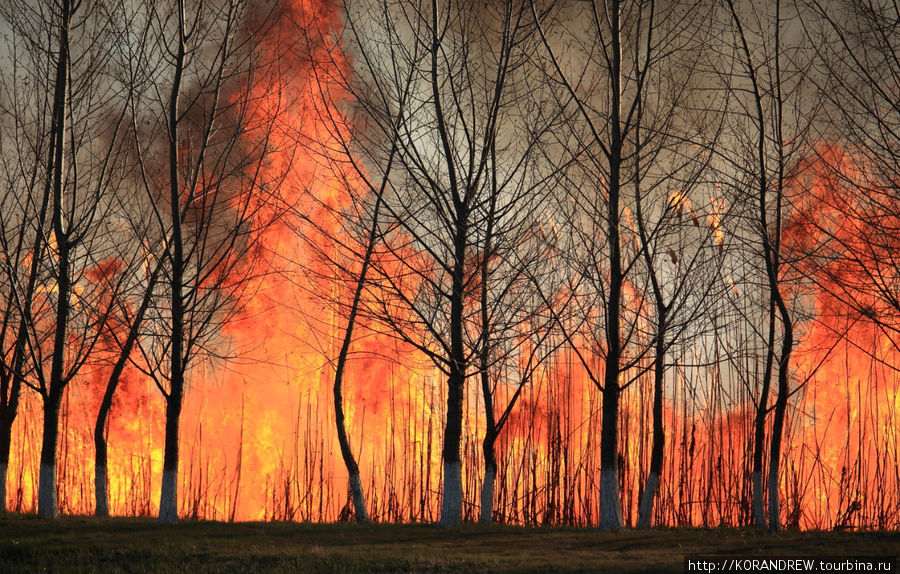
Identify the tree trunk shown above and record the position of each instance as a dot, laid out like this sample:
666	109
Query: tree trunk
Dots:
6	422
101	486
775	455
451	501
759	424
356	490
5	440
645	508
451	505
48	505
490	434
47	501
490	474
168	496
610	502
4	467
759	503
359	498
101	478
168	499
779	415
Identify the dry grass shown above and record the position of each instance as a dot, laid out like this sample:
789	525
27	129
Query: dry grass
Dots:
80	544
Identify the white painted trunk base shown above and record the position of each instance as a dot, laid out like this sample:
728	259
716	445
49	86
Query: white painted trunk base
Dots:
610	504
359	499
487	496
645	509
101	489
168	497
774	502
451	503
48	506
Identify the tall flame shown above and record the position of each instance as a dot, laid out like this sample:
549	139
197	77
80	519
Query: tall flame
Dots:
257	434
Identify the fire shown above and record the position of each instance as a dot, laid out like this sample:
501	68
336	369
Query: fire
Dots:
257	434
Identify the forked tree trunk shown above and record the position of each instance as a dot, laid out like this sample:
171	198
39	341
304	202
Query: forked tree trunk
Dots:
47	501
787	327
610	501
771	243
12	386
168	496
12	383
451	501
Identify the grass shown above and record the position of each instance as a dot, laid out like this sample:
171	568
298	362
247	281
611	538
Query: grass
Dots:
84	544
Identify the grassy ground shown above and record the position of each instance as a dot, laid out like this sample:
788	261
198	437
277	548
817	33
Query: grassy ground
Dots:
79	544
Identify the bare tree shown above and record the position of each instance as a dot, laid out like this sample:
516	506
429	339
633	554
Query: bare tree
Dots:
514	326
347	254
199	120
768	88
608	63
454	61
680	245
81	169
23	215
122	331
